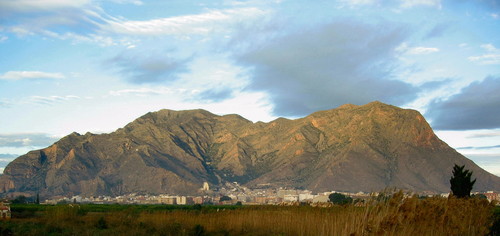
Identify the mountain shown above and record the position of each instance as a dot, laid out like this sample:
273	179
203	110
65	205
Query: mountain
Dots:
351	148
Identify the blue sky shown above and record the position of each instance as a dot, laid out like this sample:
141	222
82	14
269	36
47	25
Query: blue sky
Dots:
94	66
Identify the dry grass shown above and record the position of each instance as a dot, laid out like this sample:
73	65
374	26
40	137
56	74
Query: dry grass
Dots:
395	216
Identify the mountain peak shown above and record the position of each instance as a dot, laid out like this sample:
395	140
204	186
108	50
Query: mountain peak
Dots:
350	148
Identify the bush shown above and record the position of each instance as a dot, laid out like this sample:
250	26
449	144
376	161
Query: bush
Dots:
101	223
339	199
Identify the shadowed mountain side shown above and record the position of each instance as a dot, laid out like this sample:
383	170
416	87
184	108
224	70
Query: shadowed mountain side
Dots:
351	148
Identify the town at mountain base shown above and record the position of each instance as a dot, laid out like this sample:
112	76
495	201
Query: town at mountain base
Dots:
351	148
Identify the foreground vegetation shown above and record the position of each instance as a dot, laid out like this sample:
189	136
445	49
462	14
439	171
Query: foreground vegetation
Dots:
393	216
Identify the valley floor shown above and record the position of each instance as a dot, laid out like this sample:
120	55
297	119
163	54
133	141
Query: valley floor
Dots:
394	216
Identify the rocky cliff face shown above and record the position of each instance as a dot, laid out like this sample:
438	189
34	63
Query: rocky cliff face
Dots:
351	148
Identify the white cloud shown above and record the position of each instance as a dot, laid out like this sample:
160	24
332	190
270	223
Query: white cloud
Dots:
5	103
100	40
490	48
142	92
21	31
50	100
487	59
422	50
135	2
38	5
3	38
491	57
214	20
413	3
358	2
20	75
19	140
404	48
494	16
392	3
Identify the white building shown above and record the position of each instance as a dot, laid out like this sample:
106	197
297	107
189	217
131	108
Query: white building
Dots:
290	198
321	198
305	197
181	200
205	187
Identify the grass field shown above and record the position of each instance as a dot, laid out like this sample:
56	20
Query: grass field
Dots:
394	216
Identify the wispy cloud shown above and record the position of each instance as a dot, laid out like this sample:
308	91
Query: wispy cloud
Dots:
30	75
209	22
78	20
154	68
479	147
413	3
135	2
26	140
215	95
142	92
394	3
357	2
36	6
5	104
491	57
437	31
485	135
422	50
404	48
51	100
7	157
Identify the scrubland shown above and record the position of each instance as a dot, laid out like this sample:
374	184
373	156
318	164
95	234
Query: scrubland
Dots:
395	215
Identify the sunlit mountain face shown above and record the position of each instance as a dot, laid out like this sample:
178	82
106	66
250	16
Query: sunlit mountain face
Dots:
93	66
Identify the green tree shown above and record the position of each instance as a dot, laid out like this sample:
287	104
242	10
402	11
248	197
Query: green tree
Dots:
225	198
21	199
461	183
340	199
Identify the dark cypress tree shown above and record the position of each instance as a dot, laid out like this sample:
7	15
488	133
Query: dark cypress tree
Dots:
461	183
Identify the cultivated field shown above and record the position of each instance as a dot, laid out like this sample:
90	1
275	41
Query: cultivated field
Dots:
394	216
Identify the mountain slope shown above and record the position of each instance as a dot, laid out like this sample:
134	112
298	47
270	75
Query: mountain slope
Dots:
351	148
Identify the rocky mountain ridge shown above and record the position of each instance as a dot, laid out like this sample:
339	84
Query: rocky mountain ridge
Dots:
350	148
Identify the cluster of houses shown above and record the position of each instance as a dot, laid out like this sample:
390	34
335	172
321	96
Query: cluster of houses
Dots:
230	194
263	197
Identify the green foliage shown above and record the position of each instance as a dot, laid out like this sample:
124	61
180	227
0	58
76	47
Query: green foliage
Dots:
21	199
480	196
101	223
225	198
461	183
340	199
198	230
495	227
197	207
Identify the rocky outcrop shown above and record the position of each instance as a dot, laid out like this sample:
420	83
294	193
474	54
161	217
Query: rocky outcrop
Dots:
351	148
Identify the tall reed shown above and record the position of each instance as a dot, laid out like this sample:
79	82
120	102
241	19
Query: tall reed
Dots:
397	215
